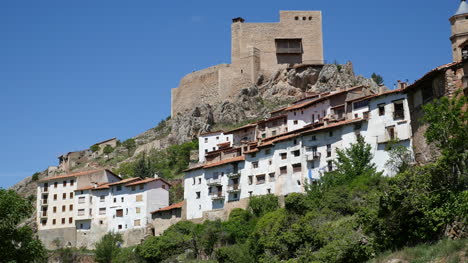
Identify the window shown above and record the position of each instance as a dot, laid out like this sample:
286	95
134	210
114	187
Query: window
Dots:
361	104
55	196
283	170
44	222
119	188
399	112
163	186
198	195
142	186
381	109
55	185
81	200
139	198
136	222
314	138
64	208
101	222
64	184
217	137
54	209
250	179
115	200
296	153
288	46
227	139
263	135
330	133
133	188
270	162
209	190
283	156
329	150
81	212
71	208
71	195
102	211
297	168
302	112
260	179
273	133
70	220
330	166
53	221
427	93
193	179
250	193
294	113
119	227
199	180
206	140
137	210
391	132
269	191
295	142
72	182
254	164
253	155
119	213
102	198
64	196
271	177
295	122
122	199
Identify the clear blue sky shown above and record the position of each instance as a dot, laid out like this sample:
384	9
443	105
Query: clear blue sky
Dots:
73	73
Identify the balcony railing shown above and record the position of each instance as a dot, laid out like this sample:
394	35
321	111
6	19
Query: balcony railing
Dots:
233	188
313	156
217	196
44	202
233	175
214	181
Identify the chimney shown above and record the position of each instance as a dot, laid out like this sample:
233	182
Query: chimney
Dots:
402	84
238	19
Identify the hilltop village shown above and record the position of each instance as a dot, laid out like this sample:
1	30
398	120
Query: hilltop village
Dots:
281	154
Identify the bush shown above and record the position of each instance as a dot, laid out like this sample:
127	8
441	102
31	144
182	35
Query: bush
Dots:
260	205
35	176
129	144
127	255
95	148
377	78
296	203
108	247
238	253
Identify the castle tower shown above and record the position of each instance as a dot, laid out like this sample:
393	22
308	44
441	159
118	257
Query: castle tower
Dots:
459	37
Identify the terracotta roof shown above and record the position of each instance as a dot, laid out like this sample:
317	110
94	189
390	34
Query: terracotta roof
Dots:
224	144
319	99
278	110
106	141
147	180
91	187
127	180
168	208
430	73
211	132
273	118
250	125
231	160
75	174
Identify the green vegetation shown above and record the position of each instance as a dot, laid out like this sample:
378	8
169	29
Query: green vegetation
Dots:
377	78
108	248
129	144
108	149
17	243
168	163
35	176
95	148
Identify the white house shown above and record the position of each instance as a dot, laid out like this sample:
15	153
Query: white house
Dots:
212	141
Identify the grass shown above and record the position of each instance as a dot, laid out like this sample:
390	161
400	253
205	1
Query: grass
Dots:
449	251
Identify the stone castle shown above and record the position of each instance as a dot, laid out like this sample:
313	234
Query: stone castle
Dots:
257	50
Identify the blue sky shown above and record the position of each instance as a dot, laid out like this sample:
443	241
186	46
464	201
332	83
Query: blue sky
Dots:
73	73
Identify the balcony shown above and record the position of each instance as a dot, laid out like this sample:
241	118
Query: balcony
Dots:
398	115
45	189
218	196
233	175
214	181
234	188
43	214
44	202
313	156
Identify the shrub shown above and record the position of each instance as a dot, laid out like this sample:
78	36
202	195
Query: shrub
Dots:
35	176
108	247
129	144
377	78
260	205
238	253
95	148
296	203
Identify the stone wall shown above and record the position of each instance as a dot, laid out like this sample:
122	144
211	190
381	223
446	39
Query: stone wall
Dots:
57	238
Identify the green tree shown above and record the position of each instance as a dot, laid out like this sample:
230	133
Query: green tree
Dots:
108	247
142	167
260	205
399	157
129	144
108	149
35	176
17	243
377	78
95	148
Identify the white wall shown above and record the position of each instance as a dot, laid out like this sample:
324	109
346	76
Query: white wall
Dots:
209	143
304	116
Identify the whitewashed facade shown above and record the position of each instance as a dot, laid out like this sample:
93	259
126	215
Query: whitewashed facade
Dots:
283	164
209	142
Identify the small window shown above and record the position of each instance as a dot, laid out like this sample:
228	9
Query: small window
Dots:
133	188
55	185
142	186
53	221
119	213
122	199
72	182
295	122
250	179
314	138
391	132
296	18
310	18
119	188
250	193
54	209
269	191
198	195
261	179
254	165
64	196
283	156
206	140
270	162
136	222
295	113
55	196
102	211
70	220
295	141
330	166
271	177
330	133
283	170
381	109
101	222
199	180
304	18
297	168
137	210
193	179
263	135
296	153
81	212
115	200
71	195
273	133
254	155
163	186
329	150
119	227
102	198
302	112
64	184
399	112
64	208
139	198
71	208
268	151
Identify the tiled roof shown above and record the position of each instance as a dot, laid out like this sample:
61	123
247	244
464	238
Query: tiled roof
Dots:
105	141
74	175
250	125
319	99
147	180
273	118
211	132
168	208
430	73
231	160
